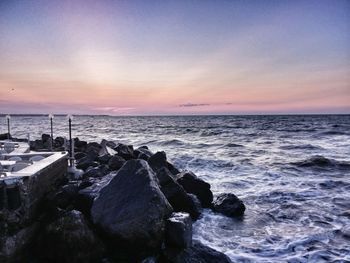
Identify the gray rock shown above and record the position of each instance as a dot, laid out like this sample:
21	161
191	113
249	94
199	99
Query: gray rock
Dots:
192	184
79	155
131	209
229	205
178	231
176	194
116	162
125	151
87	195
159	160
198	253
69	239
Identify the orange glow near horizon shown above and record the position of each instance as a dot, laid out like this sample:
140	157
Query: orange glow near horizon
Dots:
131	60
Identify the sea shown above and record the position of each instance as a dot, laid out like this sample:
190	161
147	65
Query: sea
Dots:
292	173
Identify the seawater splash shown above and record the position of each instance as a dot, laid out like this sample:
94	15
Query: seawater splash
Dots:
292	172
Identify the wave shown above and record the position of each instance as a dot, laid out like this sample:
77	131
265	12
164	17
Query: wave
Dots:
173	142
233	145
322	162
300	147
334	133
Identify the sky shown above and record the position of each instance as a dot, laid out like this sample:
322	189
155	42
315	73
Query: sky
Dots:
174	57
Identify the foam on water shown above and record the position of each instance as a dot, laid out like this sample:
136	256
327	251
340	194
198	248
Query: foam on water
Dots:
292	172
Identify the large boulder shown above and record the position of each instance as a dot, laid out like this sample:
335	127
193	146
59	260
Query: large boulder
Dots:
229	205
192	184
197	253
176	194
178	231
131	209
69	239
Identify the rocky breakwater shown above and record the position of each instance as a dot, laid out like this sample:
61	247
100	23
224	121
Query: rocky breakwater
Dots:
129	205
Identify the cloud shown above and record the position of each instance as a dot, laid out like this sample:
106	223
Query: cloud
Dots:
194	104
115	109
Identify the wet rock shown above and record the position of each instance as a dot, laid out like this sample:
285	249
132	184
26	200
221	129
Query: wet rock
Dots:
125	151
159	160
79	155
131	209
79	146
87	194
65	197
176	194
92	150
192	184
45	138
99	171
5	136
86	162
107	148
104	159
143	153
229	205
59	142
36	145
178	230
69	239
116	162
197	253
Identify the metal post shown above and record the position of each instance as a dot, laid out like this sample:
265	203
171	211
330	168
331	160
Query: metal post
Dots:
51	123
8	117
70	117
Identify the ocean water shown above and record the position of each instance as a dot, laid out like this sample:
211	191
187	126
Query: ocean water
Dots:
292	172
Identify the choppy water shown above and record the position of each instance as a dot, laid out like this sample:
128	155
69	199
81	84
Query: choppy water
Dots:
292	172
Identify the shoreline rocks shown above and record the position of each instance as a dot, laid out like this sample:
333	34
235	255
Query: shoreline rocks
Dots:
129	205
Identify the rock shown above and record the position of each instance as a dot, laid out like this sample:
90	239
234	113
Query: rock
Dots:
86	162
66	195
131	209
87	194
125	151
198	253
176	194
45	138
144	152
99	171
192	184
173	169
229	205
36	145
107	148
178	231
69	239
116	162
59	142
5	136
92	150
79	155
104	159
159	160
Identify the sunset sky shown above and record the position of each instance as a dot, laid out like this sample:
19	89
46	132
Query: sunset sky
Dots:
174	57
